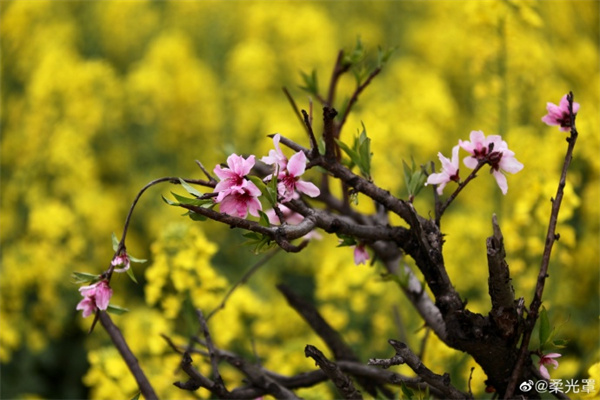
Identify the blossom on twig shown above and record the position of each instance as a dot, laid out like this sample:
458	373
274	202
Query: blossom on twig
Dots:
559	114
95	297
494	151
122	260
449	171
547	359
276	157
237	195
360	254
289	173
241	200
290	182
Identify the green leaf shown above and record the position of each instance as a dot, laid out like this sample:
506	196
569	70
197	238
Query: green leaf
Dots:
264	219
169	202
544	329
192	201
115	242
311	82
137	396
131	275
116	309
260	242
191	190
136	260
350	152
346	240
406	391
272	199
383	56
83	277
195	216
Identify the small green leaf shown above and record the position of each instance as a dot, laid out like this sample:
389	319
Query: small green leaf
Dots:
544	329
560	343
137	396
406	391
383	56
169	202
131	275
264	189
346	240
83	277
115	242
350	152
116	309
264	219
191	190
311	82
192	201
136	260
195	216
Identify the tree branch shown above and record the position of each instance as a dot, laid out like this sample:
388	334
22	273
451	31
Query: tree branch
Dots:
132	363
503	313
333	372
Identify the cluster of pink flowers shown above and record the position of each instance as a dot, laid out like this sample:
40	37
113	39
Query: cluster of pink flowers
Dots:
491	150
494	151
238	196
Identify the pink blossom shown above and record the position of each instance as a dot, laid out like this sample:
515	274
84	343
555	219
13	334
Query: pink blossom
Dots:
289	180
232	177
360	254
559	114
95	297
240	200
495	152
276	157
548	359
122	261
449	171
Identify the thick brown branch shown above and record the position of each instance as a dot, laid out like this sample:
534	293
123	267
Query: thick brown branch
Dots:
504	313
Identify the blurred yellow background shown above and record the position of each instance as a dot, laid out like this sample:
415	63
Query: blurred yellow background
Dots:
99	98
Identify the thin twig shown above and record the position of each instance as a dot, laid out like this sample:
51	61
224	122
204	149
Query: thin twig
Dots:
460	187
551	237
243	280
208	175
219	385
354	97
295	108
311	135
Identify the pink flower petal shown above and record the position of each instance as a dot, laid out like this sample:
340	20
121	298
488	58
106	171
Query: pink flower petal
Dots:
308	188
297	164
